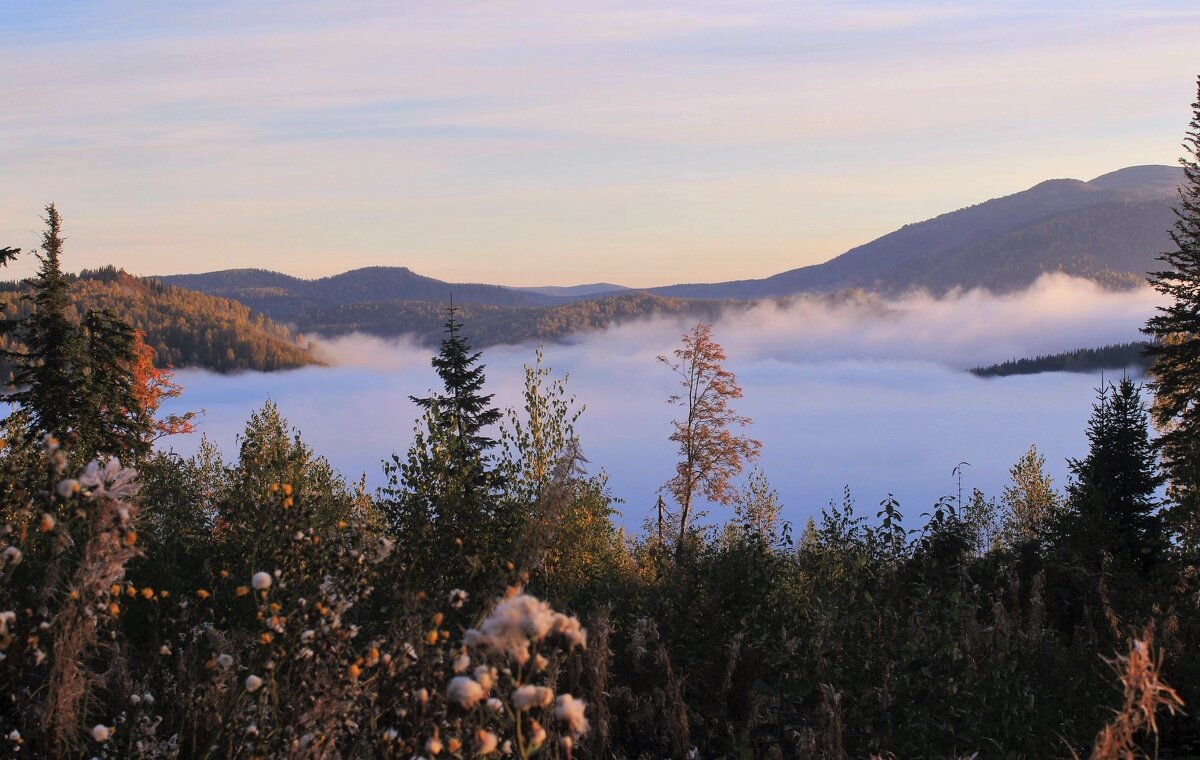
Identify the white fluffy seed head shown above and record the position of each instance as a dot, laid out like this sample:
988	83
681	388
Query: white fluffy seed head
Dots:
261	581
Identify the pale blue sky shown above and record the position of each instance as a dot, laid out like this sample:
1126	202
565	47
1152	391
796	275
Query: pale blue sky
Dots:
560	142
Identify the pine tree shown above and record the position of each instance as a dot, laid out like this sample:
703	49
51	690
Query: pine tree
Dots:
75	380
1175	352
462	408
1112	504
49	370
441	499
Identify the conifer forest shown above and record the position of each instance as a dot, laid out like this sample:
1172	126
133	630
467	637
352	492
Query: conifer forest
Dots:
486	602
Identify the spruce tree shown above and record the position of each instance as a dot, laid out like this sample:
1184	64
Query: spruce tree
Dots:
1111	498
1175	351
75	381
441	501
50	369
462	410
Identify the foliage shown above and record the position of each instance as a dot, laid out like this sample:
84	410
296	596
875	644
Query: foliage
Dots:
184	328
1176	352
710	453
1120	356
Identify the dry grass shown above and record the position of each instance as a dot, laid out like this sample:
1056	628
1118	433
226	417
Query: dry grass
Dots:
1145	694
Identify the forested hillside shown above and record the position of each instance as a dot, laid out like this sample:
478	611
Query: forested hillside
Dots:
185	328
1119	356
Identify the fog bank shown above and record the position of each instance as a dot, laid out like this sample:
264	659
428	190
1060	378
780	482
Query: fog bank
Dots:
856	395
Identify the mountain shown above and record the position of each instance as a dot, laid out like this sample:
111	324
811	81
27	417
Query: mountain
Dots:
1109	229
288	298
185	328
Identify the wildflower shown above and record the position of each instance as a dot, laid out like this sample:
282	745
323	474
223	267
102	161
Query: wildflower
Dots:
485	742
520	620
528	696
147	593
68	488
485	676
287	489
431	638
537	736
461	663
421	695
433	746
46	524
202	594
495	704
454	745
354	671
242	590
458	598
261	581
438	618
570	711
465	691
10	556
225	660
114	609
131	538
541	663
253	683
384	548
101	732
109	479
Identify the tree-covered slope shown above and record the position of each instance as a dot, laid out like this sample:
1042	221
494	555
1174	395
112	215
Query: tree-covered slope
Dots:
1119	356
185	328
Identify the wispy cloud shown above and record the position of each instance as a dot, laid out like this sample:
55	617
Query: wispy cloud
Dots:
576	140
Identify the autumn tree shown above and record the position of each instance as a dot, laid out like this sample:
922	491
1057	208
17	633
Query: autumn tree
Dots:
1030	504
152	386
711	452
1175	352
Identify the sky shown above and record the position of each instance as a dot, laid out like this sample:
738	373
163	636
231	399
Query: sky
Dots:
640	142
841	397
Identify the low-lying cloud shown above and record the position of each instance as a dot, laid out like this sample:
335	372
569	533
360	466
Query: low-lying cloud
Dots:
869	395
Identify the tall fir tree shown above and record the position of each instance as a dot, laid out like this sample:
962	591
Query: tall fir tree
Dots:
75	381
441	499
462	408
1175	351
49	369
1112	508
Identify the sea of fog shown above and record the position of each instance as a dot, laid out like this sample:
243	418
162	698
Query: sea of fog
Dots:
840	396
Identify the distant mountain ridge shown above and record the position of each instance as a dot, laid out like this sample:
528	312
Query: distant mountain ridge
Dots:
1109	229
977	246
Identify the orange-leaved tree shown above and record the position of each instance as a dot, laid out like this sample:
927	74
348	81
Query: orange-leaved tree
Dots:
151	387
711	453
